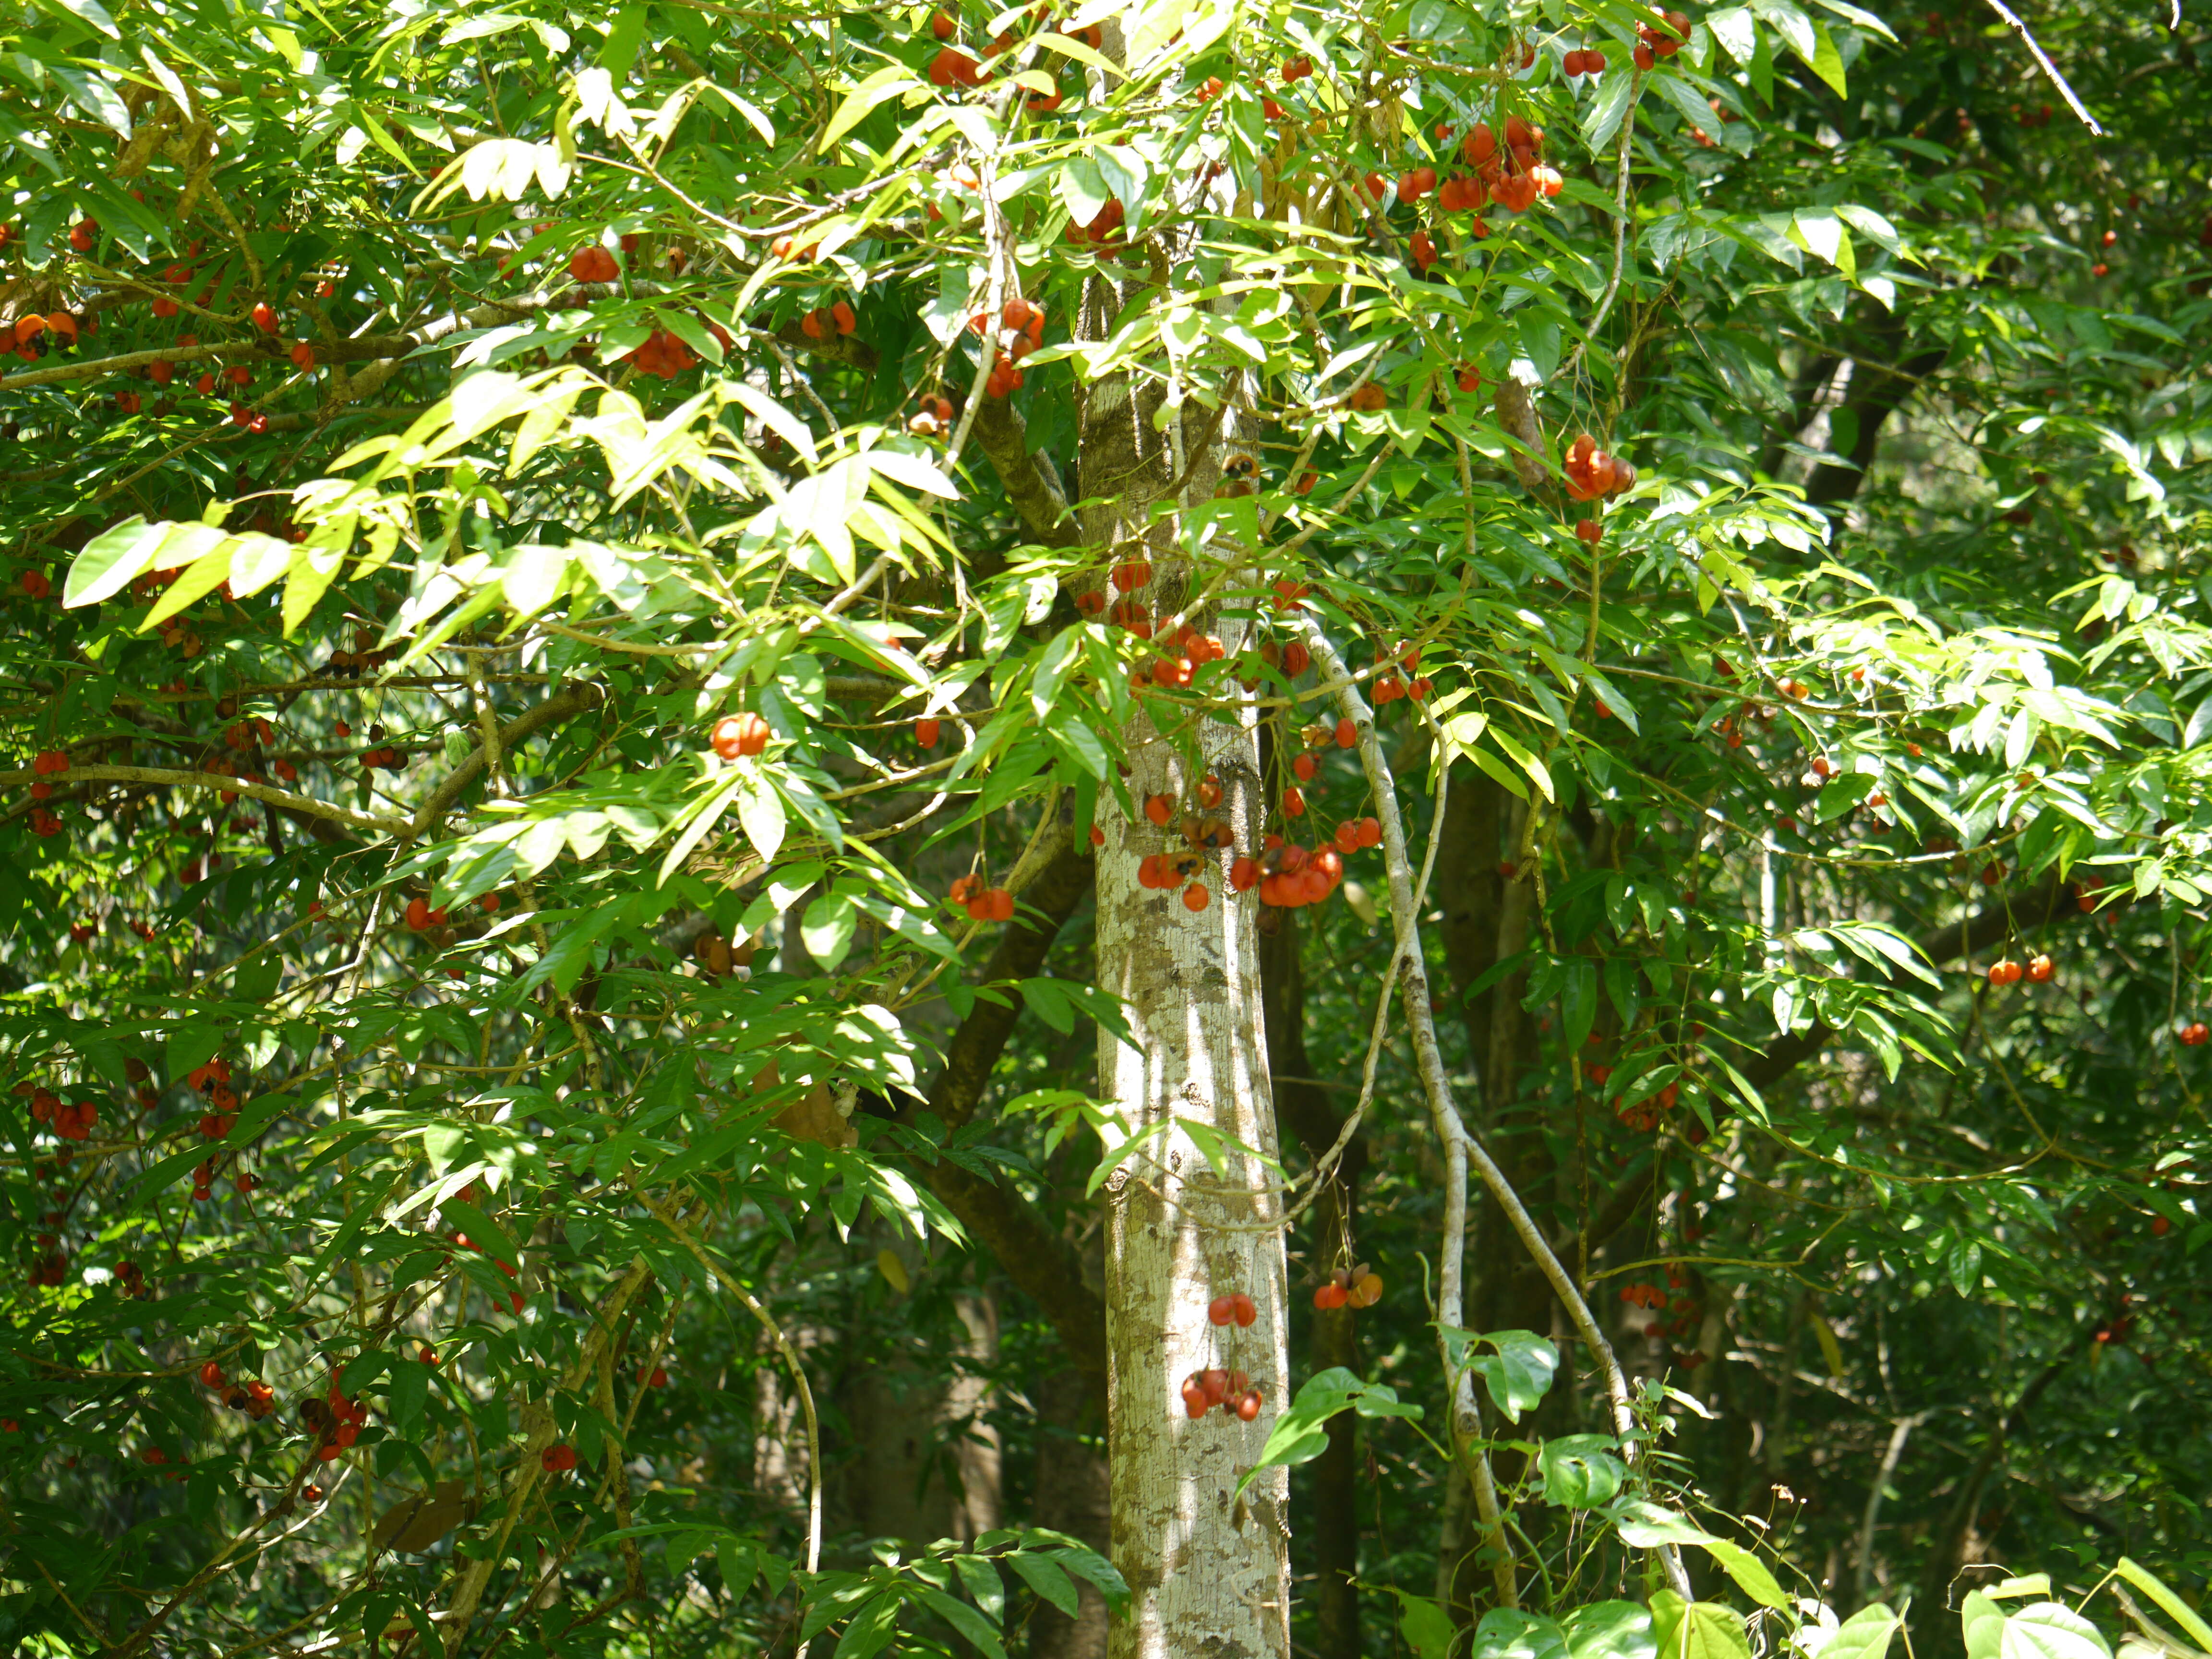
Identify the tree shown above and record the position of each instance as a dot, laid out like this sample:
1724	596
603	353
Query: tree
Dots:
728	587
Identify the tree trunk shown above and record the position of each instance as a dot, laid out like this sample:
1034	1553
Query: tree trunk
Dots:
1208	1571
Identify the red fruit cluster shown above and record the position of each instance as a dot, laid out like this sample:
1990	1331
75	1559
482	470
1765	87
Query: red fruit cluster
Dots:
1657	43
1643	1116
1105	225
663	354
2194	1033
953	67
1358	1287
826	320
70	1123
789	248
419	915
933	419
740	734
558	1458
1239	1310
1588	61
35	335
982	902
593	264
339	1422
1643	1296
655	1378
51	761
2005	972
1233	1391
1510	165
1368	397
254	1397
1591	472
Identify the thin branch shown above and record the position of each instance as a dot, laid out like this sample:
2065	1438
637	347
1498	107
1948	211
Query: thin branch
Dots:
2051	69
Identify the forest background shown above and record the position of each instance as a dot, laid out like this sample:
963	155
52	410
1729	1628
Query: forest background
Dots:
1182	827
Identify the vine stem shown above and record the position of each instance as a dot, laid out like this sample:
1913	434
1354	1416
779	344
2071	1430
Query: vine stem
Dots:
1462	1149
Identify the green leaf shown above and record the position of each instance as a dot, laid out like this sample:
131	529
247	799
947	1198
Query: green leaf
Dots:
1300	1433
2175	1608
1426	1626
1520	1373
1046	1577
1750	1573
887	82
1609	1630
964	1619
1865	1635
1581	1471
111	560
1509	1633
2051	1630
1697	1629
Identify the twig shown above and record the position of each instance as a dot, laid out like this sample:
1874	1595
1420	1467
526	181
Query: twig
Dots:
2051	69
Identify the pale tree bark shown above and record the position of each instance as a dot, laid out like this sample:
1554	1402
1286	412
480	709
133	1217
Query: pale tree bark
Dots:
1208	1572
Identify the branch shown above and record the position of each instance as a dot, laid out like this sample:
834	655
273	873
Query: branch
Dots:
574	700
164	777
1030	484
2049	68
270	350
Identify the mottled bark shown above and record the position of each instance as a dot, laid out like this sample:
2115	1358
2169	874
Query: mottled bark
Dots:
1208	1570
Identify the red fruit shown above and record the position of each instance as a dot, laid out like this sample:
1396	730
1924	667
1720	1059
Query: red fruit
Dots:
1365	1292
740	734
265	318
1133	575
2100	269
303	357
1589	530
1305	766
1215	1383
1294	802
1196	897
2159	1226
419	914
2038	968
1159	809
1644	60
1295	658
1245	874
1296	69
925	731
2195	1032
998	905
1221	1310
557	1458
1329	1296
211	1375
942	26
656	1378
1244	1309
1417	184
1247	1408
